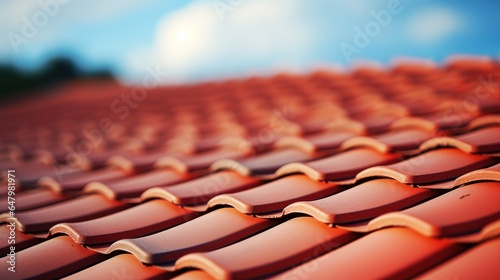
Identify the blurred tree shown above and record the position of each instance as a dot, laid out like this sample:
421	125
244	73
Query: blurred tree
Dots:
17	84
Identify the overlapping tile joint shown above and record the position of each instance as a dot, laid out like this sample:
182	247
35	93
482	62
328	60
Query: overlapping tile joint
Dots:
367	174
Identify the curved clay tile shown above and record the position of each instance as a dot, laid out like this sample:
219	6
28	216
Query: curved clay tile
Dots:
264	164
143	219
458	212
415	122
491	173
296	142
74	210
276	195
484	121
139	163
22	240
194	275
479	262
341	166
32	199
52	259
480	141
123	266
77	181
430	167
348	125
198	162
201	190
133	186
270	251
220	228
393	141
491	230
364	201
394	253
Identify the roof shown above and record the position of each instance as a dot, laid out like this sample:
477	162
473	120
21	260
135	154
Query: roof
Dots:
373	173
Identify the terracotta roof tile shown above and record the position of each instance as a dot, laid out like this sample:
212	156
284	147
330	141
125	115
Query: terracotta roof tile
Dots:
194	275
341	166
275	195
271	251
392	141
143	219
484	140
76	181
133	186
390	253
364	201
199	162
491	173
432	166
32	199
478	262
22	240
74	210
451	214
120	267
40	261
264	164
317	142
201	190
220	228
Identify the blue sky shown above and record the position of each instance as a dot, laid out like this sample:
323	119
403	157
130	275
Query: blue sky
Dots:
205	39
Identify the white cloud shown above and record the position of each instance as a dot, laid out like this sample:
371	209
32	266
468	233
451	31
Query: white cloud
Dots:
433	25
195	40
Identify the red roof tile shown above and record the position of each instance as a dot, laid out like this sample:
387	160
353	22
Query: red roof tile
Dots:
430	167
478	262
391	253
42	261
142	219
263	164
271	251
74	210
453	213
275	195
220	228
120	267
367	200
341	166
201	190
134	186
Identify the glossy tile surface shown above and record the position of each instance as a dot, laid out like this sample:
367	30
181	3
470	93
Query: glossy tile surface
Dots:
201	190
134	186
120	267
78	209
40	261
458	212
341	166
365	201
478	262
385	254
142	219
273	250
274	196
211	231
432	166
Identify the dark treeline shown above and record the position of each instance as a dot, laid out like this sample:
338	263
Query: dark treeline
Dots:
17	84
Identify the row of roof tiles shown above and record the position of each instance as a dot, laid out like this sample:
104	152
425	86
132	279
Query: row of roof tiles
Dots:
398	195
